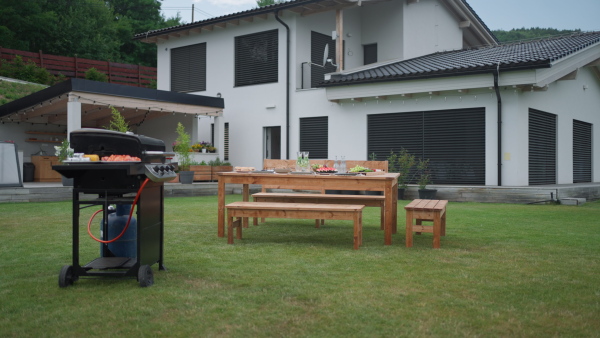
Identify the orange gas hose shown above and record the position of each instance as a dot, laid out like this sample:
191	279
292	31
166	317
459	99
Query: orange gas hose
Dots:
137	197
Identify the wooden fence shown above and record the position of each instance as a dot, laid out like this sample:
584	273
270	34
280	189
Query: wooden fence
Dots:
74	67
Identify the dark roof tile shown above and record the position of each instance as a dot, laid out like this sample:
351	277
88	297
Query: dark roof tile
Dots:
533	54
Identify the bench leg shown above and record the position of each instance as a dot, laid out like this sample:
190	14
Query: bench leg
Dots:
409	228
443	232
357	230
233	224
437	230
419	222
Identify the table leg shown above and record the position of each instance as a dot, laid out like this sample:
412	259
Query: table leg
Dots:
221	208
245	198
395	208
389	215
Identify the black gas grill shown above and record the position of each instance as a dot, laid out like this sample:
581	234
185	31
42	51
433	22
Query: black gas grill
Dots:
110	184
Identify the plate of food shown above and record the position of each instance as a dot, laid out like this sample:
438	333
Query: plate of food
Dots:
326	170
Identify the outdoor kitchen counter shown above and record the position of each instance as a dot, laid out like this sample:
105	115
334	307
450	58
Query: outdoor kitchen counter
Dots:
387	183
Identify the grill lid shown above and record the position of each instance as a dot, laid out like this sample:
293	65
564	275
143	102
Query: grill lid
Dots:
108	142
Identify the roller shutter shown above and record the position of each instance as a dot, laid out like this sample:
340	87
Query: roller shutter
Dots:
317	46
314	136
256	58
542	147
582	152
188	68
452	140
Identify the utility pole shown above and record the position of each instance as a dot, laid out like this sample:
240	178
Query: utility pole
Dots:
192	12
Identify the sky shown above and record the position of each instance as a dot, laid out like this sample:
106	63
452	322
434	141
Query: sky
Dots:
496	14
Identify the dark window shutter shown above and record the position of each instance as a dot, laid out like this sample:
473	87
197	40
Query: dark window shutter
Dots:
188	68
452	140
370	53
542	147
314	136
256	58
226	141
317	46
582	152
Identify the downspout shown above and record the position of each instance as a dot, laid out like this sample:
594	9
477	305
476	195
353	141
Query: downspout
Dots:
287	87
496	76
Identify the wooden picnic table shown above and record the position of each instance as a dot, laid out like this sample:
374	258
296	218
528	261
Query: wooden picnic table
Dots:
387	183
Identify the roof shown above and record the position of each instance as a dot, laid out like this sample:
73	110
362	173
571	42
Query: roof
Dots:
136	104
303	7
514	56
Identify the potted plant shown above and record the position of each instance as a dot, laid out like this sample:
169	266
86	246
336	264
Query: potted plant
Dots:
402	163
117	122
218	166
197	147
63	152
184	159
424	180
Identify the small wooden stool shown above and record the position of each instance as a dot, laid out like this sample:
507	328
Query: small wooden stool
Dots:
426	210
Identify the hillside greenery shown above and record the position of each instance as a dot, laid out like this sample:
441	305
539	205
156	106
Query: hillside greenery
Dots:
10	91
92	29
520	34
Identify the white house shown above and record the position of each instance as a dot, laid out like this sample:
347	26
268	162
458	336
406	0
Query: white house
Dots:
426	75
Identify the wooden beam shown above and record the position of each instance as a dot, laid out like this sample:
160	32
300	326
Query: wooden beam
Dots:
339	49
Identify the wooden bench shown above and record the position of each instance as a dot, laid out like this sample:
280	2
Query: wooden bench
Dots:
426	210
241	210
366	200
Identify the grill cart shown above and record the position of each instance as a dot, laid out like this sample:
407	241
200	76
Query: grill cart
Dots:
130	242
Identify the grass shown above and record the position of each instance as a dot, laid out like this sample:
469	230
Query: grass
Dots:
503	270
10	91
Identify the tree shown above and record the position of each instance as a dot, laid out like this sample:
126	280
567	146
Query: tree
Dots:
263	3
94	29
520	34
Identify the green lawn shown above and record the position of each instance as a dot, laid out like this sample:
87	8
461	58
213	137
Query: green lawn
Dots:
503	270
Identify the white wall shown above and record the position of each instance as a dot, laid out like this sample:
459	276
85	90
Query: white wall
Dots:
16	133
383	24
568	100
429	28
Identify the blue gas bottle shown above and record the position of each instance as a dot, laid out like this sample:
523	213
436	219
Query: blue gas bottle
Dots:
126	246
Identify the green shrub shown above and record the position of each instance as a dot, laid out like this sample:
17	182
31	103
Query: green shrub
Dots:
27	71
95	75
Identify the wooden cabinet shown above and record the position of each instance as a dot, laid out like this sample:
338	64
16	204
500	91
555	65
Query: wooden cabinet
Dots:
43	169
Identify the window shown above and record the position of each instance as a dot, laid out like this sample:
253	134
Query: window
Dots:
542	147
317	47
226	141
582	152
188	68
256	58
370	53
452	140
314	135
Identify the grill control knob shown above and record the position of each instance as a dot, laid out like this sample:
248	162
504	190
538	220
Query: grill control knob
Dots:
156	168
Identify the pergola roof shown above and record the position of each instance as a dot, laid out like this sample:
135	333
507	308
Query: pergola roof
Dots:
135	104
